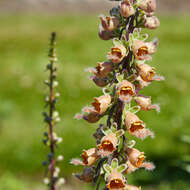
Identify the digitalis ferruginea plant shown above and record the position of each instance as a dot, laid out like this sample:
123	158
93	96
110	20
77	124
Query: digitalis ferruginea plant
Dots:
122	76
51	118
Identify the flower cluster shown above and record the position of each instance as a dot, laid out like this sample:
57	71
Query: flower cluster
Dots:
51	140
122	77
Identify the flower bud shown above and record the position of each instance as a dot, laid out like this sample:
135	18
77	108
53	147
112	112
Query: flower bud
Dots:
46	181
108	144
89	114
89	156
145	103
148	6
115	181
103	69
60	158
101	82
127	9
132	187
125	91
135	157
61	181
55	84
109	23
92	117
118	52
87	175
101	103
152	22
105	34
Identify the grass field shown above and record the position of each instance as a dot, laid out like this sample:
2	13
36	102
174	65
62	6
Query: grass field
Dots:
23	56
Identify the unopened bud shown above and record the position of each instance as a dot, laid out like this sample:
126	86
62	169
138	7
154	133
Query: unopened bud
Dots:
60	158
127	9
152	22
46	181
148	6
55	84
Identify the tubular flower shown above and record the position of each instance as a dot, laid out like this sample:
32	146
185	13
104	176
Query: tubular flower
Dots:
148	6
136	127
140	83
108	144
89	156
109	23
116	181
135	157
103	69
140	50
118	52
152	22
101	103
136	160
131	168
148	73
126	90
143	50
145	103
127	9
132	187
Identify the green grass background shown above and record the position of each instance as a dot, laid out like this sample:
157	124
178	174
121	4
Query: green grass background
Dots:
23	57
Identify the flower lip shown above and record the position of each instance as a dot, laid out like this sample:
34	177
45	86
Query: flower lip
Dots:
136	126
116	184
151	75
107	145
126	90
117	52
84	156
140	160
96	105
142	51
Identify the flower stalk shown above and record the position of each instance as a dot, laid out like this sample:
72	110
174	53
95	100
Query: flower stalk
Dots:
122	77
51	117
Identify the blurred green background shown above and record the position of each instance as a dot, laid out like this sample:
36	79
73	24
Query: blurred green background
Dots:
23	55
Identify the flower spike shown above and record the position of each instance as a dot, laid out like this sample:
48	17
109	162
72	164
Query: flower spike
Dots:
122	77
